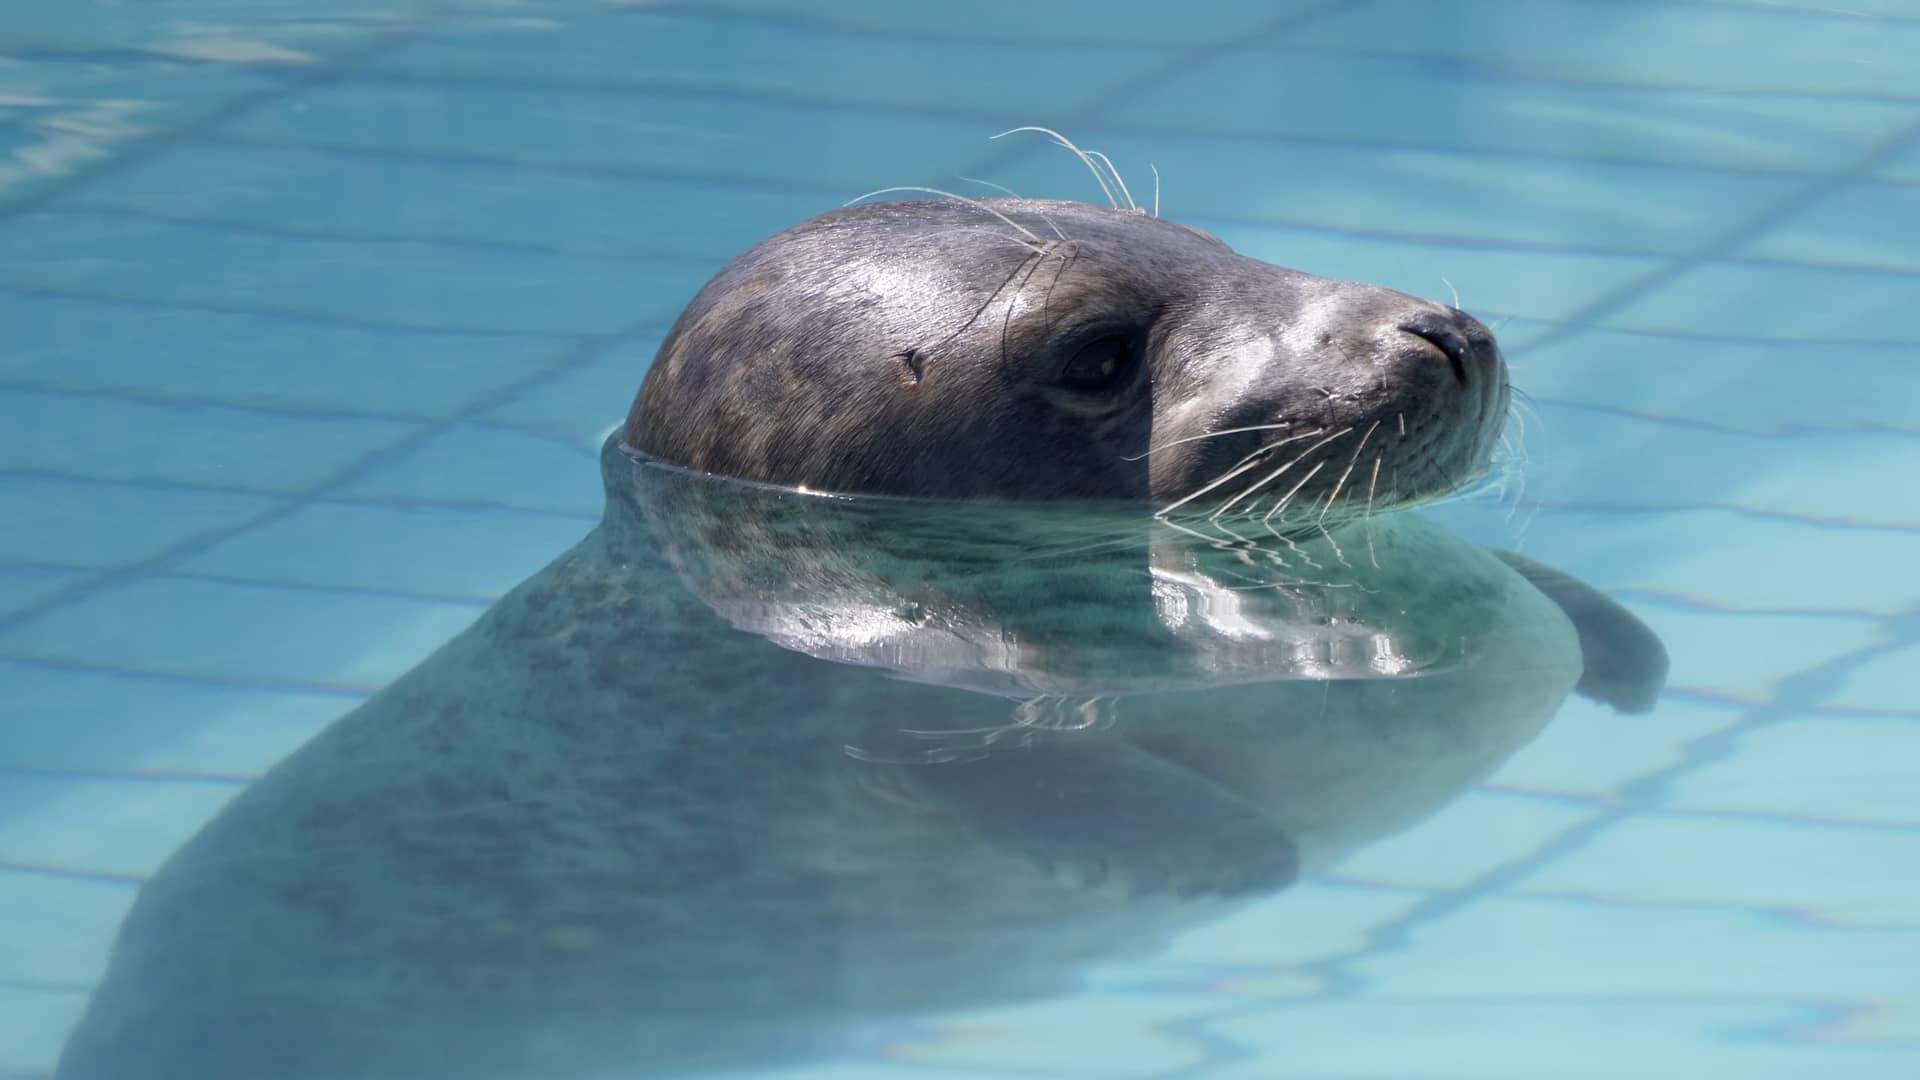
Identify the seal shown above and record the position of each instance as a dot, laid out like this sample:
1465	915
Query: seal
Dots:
1108	625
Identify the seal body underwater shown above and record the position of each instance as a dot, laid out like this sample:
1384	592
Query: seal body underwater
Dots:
1112	623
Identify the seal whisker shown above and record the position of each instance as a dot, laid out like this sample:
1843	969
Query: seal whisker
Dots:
1223	431
1117	179
1373	485
1156	188
1275	474
1351	462
1027	265
1014	194
1067	260
1009	192
1294	547
1085	158
1210	541
1327	535
1454	291
1237	538
1067	257
1238	467
975	203
1513	460
1243	465
1280	506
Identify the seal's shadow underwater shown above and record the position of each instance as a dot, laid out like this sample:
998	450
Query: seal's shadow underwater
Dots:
1114	622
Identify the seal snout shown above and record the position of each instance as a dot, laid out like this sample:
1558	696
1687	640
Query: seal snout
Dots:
1464	340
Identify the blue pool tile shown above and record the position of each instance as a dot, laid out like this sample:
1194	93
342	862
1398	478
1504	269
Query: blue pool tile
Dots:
74	919
1741	385
850	1068
690	49
33	1026
86	25
1726	558
405	284
1086	1034
1525	987
61	115
1462	107
1846	875
853	1069
835	150
1590	754
21	588
1589	456
1493	283
1883	683
586	402
1527	948
64	721
357	196
1744	300
1904	167
1418	192
1832	779
494	466
1849	226
1745	658
1313	920
1064	22
214	631
1474	835
1508	1037
426	550
1568	947
107	525
225	447
253	360
102	826
1656	44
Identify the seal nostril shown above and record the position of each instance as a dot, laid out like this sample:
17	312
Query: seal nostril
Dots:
1437	331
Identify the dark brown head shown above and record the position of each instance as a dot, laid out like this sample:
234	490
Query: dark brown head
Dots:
1045	350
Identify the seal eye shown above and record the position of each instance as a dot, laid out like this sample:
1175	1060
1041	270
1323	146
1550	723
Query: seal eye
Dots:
1101	364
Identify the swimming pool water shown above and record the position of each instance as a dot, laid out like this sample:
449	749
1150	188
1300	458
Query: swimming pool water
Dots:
312	314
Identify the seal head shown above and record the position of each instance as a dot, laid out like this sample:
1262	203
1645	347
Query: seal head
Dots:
1026	349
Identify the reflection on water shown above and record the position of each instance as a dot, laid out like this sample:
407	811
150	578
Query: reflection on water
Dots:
747	768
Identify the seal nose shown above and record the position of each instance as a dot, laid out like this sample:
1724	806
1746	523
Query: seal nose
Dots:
1464	340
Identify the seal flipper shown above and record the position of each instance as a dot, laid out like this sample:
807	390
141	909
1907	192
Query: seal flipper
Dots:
1099	810
1626	664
